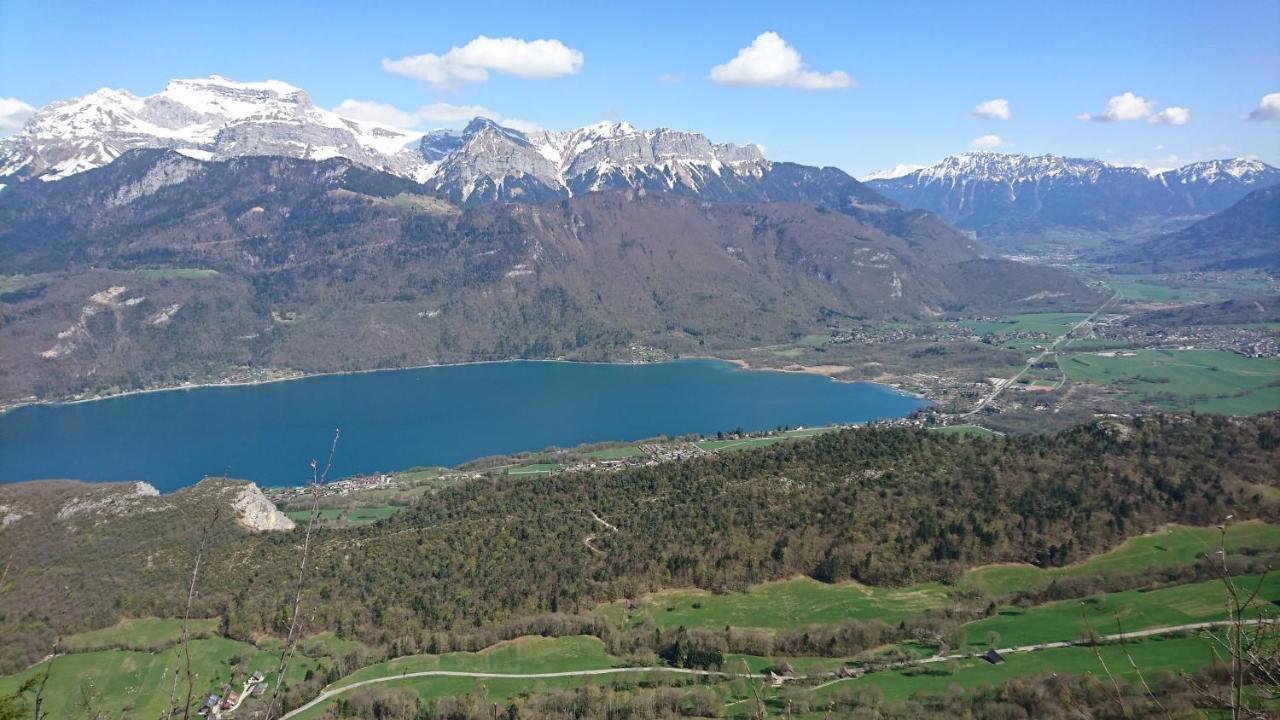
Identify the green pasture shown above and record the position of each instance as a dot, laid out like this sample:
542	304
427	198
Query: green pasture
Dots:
788	604
1175	545
139	634
1210	381
1133	609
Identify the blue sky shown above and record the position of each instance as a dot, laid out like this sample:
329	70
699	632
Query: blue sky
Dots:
898	80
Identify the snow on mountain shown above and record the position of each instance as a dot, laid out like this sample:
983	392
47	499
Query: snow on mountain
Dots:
213	117
894	172
1003	194
487	161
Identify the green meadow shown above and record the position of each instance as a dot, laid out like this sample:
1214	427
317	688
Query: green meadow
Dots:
1210	381
1175	545
140	634
1052	323
1172	654
1132	609
126	683
350	516
787	604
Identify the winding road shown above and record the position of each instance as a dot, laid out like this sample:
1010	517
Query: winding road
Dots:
1137	634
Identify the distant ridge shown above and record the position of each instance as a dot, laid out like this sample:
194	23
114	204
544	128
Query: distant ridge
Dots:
1003	195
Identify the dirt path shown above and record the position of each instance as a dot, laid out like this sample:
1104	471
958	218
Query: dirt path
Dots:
1149	632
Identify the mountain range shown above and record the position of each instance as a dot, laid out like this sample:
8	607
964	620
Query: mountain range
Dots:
1245	235
162	268
1010	200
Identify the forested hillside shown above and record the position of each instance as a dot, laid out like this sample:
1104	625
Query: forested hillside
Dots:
498	557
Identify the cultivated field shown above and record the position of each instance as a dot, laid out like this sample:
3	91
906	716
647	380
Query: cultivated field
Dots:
1209	381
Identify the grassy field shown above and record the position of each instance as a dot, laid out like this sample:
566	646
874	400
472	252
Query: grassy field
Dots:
125	683
523	655
785	604
1052	323
348	516
615	453
1164	289
177	273
1135	609
744	443
971	430
1153	654
533	469
1173	546
799	602
140	634
1210	381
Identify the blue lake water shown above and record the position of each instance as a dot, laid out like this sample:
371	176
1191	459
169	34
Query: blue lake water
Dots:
403	418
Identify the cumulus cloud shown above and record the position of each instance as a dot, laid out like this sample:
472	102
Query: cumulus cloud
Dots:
434	114
1268	109
472	63
997	109
13	113
1171	116
987	141
1122	107
770	62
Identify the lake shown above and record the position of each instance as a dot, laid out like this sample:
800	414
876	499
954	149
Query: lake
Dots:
396	419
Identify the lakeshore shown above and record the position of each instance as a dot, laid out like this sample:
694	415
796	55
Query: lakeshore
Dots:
394	419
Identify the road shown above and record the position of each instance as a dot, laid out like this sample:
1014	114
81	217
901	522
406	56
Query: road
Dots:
329	694
1052	348
1149	632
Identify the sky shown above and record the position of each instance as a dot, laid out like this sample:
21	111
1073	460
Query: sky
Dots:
859	85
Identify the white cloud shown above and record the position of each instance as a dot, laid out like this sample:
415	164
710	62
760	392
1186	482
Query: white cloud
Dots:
986	141
1122	107
1171	116
434	115
471	63
13	113
670	79
1268	109
770	62
375	112
997	109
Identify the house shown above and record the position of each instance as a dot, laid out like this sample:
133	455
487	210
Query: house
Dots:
992	656
230	702
258	689
257	676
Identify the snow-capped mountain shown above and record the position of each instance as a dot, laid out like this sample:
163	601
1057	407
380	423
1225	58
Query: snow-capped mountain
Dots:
216	119
1002	195
208	118
489	162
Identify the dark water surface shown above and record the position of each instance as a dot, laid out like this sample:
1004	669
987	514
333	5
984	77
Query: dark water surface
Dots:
402	418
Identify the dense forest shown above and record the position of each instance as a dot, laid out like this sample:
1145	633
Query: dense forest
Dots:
500	557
